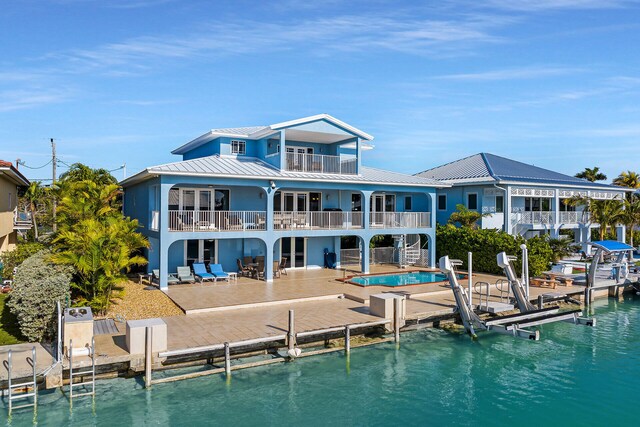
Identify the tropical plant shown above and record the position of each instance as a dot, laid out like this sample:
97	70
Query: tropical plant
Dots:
486	243
81	200
631	214
607	213
591	174
79	172
36	289
33	195
560	248
101	252
628	179
14	258
466	217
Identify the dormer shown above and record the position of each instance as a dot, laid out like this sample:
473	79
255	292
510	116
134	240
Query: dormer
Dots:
316	144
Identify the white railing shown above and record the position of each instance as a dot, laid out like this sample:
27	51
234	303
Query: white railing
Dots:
400	219
22	219
285	220
543	217
319	163
574	217
186	220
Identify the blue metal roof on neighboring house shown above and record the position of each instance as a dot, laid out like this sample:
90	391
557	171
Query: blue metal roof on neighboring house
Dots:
484	167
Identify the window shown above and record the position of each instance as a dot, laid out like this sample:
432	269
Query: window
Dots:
499	204
238	147
356	202
442	202
472	201
408	203
221	200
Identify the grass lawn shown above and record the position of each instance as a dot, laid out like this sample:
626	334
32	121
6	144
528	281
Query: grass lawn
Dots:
9	331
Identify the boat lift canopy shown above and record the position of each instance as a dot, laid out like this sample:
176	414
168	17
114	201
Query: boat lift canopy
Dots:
620	267
610	246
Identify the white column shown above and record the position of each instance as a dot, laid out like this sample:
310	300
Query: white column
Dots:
283	150
358	157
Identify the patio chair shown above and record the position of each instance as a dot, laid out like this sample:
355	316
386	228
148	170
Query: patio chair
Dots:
242	269
184	275
247	260
200	271
216	270
276	269
155	277
260	269
282	267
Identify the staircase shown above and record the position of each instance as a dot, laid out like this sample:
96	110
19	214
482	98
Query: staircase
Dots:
409	245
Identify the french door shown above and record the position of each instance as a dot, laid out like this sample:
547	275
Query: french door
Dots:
205	251
380	204
295	250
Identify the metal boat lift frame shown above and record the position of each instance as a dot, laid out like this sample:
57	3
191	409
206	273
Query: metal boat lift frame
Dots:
525	306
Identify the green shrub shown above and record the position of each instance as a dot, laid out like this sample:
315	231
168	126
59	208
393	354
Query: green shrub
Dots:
14	258
37	286
486	244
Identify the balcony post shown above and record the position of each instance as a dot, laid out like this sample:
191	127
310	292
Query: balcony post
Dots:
358	156
283	150
271	192
366	209
364	259
508	215
556	207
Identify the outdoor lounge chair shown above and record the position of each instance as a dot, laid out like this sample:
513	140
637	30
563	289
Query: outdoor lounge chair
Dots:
155	277
200	271
184	275
276	269
216	270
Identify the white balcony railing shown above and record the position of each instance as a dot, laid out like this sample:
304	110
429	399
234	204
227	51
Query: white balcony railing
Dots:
22	220
400	219
186	220
319	163
538	217
574	217
284	220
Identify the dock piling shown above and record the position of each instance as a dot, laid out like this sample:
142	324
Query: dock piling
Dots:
396	319
148	357
540	301
291	335
347	339
227	360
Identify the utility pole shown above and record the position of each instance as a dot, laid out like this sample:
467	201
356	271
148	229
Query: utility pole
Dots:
18	164
54	162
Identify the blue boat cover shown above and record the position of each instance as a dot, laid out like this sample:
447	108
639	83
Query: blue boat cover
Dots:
612	245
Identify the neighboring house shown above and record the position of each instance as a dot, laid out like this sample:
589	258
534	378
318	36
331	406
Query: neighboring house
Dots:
520	198
11	182
289	190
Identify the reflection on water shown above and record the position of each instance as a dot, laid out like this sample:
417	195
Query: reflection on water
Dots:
574	375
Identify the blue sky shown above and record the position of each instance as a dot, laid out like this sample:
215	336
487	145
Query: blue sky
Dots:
555	83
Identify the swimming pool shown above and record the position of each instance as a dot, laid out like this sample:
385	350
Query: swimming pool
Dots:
399	279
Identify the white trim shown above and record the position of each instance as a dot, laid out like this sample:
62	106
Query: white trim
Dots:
241	143
446	202
153	173
326	117
477	200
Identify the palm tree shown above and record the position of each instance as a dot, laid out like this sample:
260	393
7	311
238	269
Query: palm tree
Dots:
607	213
591	174
631	214
465	217
80	172
33	196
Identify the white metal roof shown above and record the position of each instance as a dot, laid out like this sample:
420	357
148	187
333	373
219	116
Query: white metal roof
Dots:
251	167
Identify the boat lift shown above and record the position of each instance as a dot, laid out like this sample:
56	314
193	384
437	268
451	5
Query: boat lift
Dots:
618	275
525	306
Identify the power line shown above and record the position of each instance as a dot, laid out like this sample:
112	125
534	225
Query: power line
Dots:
22	163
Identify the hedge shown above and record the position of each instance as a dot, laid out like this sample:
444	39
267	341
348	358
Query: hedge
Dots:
486	244
37	286
15	257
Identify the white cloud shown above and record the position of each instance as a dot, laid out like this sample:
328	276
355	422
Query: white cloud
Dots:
531	72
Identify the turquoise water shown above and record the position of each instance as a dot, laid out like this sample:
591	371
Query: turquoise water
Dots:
575	375
413	278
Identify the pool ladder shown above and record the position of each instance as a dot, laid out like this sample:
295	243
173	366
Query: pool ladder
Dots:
23	390
90	384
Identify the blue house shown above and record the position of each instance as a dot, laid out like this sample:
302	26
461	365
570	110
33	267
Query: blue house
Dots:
520	198
288	190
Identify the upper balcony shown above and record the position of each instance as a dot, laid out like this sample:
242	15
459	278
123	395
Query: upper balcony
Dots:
229	221
22	220
319	163
549	217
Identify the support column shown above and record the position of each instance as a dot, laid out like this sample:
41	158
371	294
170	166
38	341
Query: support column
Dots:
270	196
432	249
268	261
556	210
283	150
364	259
163	233
433	207
336	248
508	215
